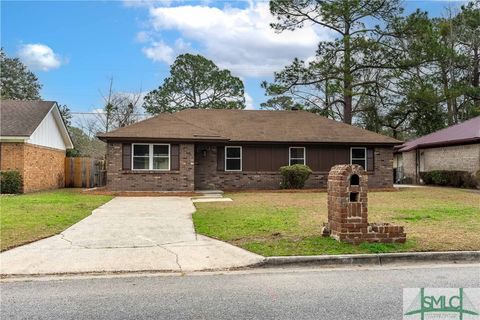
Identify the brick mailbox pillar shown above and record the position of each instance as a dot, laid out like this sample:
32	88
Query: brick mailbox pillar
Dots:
348	209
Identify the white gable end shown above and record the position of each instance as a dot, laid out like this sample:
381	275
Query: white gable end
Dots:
48	133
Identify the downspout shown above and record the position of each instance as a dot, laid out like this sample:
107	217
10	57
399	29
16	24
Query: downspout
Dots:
417	165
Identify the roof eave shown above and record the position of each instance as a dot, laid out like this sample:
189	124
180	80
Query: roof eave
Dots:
316	142
13	138
441	144
61	123
163	139
107	138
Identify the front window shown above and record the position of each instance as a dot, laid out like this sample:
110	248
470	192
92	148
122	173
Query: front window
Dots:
151	156
359	156
233	158
161	157
297	155
141	156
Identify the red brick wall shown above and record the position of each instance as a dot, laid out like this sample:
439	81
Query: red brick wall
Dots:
118	179
12	156
382	176
41	168
44	168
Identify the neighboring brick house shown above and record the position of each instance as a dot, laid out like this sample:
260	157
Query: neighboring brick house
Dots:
453	148
239	149
33	141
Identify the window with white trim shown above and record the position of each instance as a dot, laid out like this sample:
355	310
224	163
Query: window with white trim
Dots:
233	158
359	156
147	156
296	155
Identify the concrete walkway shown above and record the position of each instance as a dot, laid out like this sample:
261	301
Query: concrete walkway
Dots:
125	235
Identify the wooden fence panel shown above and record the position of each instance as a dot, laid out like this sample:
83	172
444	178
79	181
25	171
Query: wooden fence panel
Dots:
84	172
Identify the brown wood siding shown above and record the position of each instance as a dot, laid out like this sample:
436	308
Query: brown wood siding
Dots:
264	158
220	158
249	158
126	156
321	158
279	157
175	157
314	156
269	158
370	160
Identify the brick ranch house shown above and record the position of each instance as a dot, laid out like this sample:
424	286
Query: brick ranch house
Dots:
33	141
454	148
197	149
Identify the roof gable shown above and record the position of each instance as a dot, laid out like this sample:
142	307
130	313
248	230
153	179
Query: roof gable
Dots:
21	118
25	118
248	126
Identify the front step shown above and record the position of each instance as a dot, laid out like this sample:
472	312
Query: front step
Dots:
209	194
195	200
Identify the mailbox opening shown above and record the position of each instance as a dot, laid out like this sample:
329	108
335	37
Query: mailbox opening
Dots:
353	196
354	180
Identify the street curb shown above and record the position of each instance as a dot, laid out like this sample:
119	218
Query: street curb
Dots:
378	259
279	261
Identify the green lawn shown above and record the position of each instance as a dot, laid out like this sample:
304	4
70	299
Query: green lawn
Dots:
290	223
26	218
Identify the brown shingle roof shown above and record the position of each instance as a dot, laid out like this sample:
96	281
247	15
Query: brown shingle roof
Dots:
21	118
465	132
248	126
165	126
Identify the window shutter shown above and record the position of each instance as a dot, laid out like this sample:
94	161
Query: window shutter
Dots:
220	158
370	160
127	156
175	157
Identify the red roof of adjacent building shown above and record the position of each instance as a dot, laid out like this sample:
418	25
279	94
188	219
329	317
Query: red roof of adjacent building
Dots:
465	132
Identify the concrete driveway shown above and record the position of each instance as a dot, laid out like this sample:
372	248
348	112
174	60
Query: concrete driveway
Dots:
128	234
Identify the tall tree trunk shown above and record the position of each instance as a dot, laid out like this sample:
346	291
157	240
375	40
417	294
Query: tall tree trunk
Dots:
452	97
347	109
476	75
395	133
347	78
448	98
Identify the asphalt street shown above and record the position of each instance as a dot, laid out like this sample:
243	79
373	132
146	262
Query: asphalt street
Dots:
294	293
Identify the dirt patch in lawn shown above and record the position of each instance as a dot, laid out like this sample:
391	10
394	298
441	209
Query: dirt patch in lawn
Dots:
271	223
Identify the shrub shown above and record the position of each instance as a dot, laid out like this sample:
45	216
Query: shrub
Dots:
470	181
477	177
458	179
295	176
72	153
10	181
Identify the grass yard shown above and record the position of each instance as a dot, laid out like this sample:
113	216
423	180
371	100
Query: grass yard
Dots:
273	224
26	218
